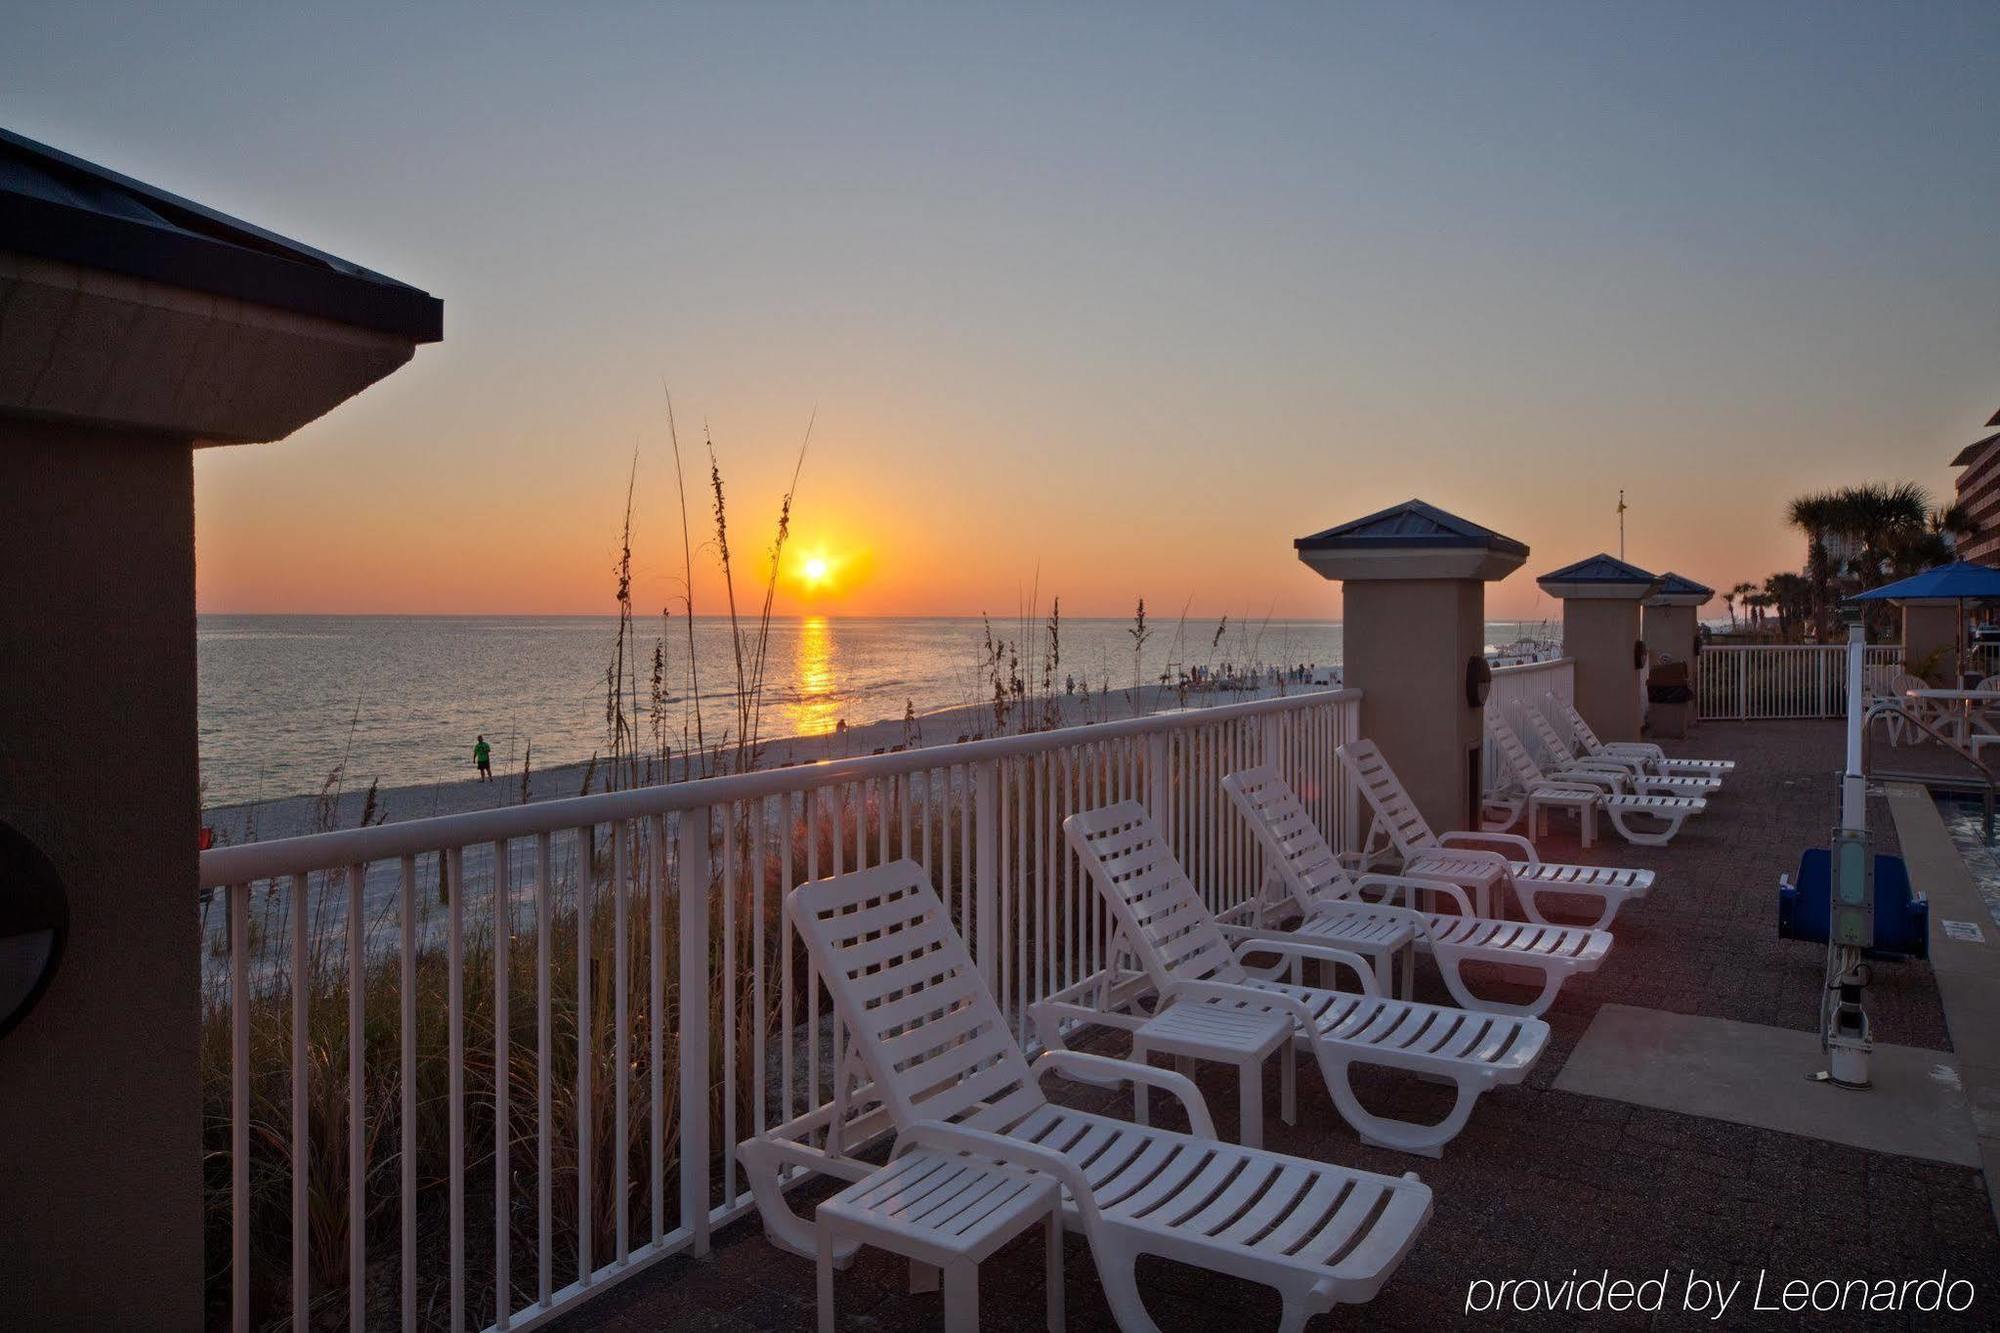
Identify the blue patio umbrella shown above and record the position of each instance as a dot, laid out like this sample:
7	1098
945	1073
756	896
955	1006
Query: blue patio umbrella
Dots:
1961	581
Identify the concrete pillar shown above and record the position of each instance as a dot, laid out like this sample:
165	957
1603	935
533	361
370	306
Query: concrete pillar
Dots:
100	1180
138	326
1601	599
1670	624
1413	621
1669	632
1930	638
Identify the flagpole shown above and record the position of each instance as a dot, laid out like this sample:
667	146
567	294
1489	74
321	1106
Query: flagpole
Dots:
1621	523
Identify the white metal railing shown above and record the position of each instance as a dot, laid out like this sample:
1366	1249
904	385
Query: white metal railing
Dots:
1753	681
1528	683
548	1025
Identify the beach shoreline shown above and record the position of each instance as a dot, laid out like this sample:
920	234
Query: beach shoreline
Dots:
298	815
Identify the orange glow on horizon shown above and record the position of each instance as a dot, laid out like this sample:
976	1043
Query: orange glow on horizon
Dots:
881	530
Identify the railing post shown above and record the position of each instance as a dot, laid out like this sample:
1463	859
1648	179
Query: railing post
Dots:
1349	727
987	944
693	849
1156	780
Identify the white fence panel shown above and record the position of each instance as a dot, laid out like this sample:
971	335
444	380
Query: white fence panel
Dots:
1762	681
506	1056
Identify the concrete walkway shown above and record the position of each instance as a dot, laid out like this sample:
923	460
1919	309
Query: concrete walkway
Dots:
1753	1074
1965	955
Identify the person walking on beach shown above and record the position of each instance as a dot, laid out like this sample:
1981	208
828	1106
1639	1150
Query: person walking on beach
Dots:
482	755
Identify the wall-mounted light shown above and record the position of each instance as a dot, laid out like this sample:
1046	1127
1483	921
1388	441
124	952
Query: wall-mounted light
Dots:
34	923
1478	681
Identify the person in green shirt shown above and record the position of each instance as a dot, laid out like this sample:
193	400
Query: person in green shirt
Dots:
482	755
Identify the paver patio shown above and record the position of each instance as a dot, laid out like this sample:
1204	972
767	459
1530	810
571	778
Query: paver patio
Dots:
1542	1182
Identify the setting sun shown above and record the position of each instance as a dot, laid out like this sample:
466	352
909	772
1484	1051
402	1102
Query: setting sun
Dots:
816	572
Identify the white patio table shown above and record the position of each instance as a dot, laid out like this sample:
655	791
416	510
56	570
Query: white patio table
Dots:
942	1211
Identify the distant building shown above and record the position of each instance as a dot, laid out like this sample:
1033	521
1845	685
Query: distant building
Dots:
1979	496
1841	553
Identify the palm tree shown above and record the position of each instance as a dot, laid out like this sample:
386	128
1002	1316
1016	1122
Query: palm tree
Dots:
1888	528
1814	515
1881	521
1954	520
1742	593
1792	597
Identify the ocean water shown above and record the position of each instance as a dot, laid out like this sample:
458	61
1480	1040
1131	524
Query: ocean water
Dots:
399	699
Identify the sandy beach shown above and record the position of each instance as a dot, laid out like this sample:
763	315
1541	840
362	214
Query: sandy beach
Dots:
294	816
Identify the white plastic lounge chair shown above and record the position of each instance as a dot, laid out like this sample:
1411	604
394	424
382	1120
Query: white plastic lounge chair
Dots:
1649	819
1310	875
1469	859
1656	760
1525	791
931	1051
1632	771
1163	922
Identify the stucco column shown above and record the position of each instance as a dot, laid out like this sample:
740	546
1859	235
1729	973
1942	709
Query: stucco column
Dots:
1930	635
100	1177
136	327
1601	599
1670	624
1413	622
1669	632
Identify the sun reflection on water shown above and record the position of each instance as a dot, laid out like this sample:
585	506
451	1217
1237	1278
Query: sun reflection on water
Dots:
814	709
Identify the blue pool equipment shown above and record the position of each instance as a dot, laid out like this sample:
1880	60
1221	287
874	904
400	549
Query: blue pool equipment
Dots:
1902	921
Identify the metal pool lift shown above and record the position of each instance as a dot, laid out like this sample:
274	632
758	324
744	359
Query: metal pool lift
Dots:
1844	1033
1859	904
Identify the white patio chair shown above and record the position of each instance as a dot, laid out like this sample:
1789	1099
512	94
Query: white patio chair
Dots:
1906	710
931	1058
1656	760
1469	859
1637	771
1985	717
1163	922
1308	873
1649	819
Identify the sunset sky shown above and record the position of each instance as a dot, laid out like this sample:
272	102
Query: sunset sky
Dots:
1119	301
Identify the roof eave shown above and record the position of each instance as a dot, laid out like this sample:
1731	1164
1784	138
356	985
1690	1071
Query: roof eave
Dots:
45	229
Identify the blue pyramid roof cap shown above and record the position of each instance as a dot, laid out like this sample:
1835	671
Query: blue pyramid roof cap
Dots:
1411	525
1600	568
1680	585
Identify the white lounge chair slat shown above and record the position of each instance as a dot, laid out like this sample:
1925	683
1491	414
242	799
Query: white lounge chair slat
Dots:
1299	1224
1122	850
1658	759
1652	813
1319	888
936	1050
1426	855
1352	1213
